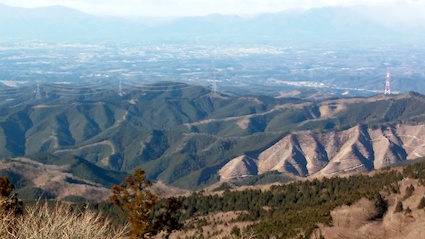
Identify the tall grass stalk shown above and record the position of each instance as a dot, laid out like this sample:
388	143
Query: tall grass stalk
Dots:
59	221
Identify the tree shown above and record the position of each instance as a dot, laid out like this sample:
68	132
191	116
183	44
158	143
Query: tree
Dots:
168	218
134	197
409	191
6	187
9	203
398	207
421	203
380	205
236	231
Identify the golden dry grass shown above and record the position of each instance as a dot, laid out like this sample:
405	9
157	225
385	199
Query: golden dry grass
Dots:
218	226
351	222
42	221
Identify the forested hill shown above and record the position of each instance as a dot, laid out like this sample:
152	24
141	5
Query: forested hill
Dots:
388	203
186	136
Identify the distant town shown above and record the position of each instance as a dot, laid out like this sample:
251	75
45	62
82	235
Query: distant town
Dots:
335	69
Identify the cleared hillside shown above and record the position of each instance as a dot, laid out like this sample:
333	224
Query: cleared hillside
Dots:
186	136
357	206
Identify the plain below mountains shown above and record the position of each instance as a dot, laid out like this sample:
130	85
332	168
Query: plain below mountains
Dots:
186	136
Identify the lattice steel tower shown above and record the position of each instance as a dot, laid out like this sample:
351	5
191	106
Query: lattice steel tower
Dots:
37	91
387	83
120	92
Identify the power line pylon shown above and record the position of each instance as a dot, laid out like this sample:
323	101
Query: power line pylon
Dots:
120	93
387	83
37	91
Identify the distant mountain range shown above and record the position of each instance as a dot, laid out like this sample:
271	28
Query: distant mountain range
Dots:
332	23
186	136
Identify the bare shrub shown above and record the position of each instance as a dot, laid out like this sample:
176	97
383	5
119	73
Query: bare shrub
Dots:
42	221
354	216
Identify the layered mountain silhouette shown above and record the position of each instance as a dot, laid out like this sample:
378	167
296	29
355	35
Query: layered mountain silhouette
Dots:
329	23
186	136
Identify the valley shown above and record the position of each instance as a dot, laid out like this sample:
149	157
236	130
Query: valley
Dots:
270	122
188	137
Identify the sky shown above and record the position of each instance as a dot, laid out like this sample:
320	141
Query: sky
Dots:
137	8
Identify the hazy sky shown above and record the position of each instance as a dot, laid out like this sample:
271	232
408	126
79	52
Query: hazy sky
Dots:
198	7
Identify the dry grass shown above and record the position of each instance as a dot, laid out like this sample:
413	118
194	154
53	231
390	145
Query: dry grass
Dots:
42	221
351	222
218	226
245	234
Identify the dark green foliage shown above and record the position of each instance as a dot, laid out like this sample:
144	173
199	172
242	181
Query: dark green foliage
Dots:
81	168
167	215
74	199
409	192
398	207
265	178
16	179
381	205
295	206
299	206
421	203
177	132
222	187
407	211
394	188
319	125
6	187
107	208
33	193
134	197
287	211
9	203
145	214
235	231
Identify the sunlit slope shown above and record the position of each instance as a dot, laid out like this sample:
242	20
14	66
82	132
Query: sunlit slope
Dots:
68	178
184	135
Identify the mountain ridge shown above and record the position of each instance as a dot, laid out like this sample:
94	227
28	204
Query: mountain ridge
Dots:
330	23
183	135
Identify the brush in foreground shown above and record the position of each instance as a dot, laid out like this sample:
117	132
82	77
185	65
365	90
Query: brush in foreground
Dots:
42	221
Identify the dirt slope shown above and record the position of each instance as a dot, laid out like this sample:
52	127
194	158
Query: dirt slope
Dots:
358	149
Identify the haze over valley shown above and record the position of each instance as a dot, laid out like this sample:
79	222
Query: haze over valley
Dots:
284	120
339	51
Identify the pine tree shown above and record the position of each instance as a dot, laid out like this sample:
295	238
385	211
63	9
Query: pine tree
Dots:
398	207
9	203
134	197
236	231
380	205
407	211
421	203
409	191
6	187
168	218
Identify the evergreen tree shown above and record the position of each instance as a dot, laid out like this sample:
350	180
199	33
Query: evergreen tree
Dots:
134	197
421	203
407	211
9	203
235	231
398	207
409	191
380	205
168	218
6	187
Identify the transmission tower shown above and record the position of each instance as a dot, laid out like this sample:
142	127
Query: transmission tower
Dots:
37	91
214	88
120	93
387	83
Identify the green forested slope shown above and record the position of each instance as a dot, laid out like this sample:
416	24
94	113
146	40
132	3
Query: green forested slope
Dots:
180	134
